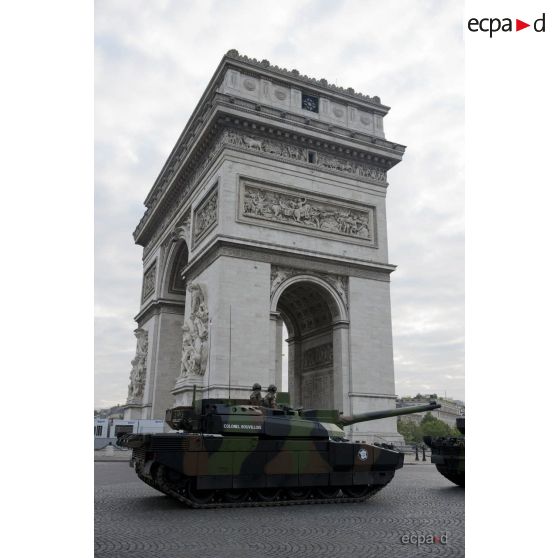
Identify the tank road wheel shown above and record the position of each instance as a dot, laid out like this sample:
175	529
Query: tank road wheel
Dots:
300	493
362	491
197	496
267	494
326	492
235	495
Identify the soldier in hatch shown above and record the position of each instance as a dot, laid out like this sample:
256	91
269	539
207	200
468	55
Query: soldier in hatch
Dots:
256	395
270	399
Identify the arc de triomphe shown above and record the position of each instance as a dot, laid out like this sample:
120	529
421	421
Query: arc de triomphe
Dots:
270	210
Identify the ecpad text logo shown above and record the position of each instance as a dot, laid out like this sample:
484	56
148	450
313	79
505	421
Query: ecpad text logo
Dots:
494	25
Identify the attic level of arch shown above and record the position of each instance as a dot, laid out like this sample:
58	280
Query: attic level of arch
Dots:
186	147
350	159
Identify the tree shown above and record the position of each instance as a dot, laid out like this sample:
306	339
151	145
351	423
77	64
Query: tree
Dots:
410	431
429	426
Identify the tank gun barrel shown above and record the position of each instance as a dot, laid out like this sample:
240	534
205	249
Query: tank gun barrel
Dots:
376	415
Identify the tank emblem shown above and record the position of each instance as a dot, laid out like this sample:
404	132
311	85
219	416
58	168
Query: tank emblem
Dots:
362	454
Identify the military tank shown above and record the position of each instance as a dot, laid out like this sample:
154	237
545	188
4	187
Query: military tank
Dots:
448	454
228	452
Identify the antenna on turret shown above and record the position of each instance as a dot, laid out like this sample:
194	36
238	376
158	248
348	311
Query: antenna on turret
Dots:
230	346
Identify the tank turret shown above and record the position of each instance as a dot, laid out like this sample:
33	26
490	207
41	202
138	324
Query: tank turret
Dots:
233	417
232	452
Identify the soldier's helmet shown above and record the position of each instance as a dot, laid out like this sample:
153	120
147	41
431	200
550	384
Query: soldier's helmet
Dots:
256	387
272	388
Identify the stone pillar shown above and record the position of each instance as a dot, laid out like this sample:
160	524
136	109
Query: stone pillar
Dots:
168	355
238	330
276	350
295	378
341	367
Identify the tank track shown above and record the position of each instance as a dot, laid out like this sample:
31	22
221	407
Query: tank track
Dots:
169	490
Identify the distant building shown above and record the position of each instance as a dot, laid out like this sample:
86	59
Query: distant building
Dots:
448	412
107	430
116	412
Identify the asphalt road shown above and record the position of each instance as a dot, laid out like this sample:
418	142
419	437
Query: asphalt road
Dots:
133	520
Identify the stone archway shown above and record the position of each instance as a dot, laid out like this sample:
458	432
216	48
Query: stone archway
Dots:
173	287
174	283
316	320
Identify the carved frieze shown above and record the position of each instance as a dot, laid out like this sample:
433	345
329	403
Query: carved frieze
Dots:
298	209
195	333
318	357
339	282
139	368
287	150
205	216
149	281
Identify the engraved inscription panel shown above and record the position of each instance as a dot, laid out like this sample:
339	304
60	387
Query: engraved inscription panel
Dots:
318	357
317	391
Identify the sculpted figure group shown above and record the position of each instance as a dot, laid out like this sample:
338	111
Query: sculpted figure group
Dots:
284	208
195	335
137	374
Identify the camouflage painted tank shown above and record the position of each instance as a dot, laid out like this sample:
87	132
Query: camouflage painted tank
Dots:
230	452
448	454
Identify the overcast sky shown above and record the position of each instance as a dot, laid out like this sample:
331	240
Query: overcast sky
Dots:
154	58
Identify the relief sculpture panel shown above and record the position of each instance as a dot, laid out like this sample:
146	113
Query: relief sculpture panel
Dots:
139	367
195	350
149	281
205	216
276	205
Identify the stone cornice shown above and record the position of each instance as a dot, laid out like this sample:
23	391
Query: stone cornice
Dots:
310	125
373	395
203	111
282	256
158	306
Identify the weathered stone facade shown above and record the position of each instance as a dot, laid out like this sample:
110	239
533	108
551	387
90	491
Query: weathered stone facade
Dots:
270	211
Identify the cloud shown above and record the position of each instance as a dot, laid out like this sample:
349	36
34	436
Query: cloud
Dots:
153	60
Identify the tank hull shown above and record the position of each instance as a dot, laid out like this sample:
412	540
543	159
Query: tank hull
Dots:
448	454
203	470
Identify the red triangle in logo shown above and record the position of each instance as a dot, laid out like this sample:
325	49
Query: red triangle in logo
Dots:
519	25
